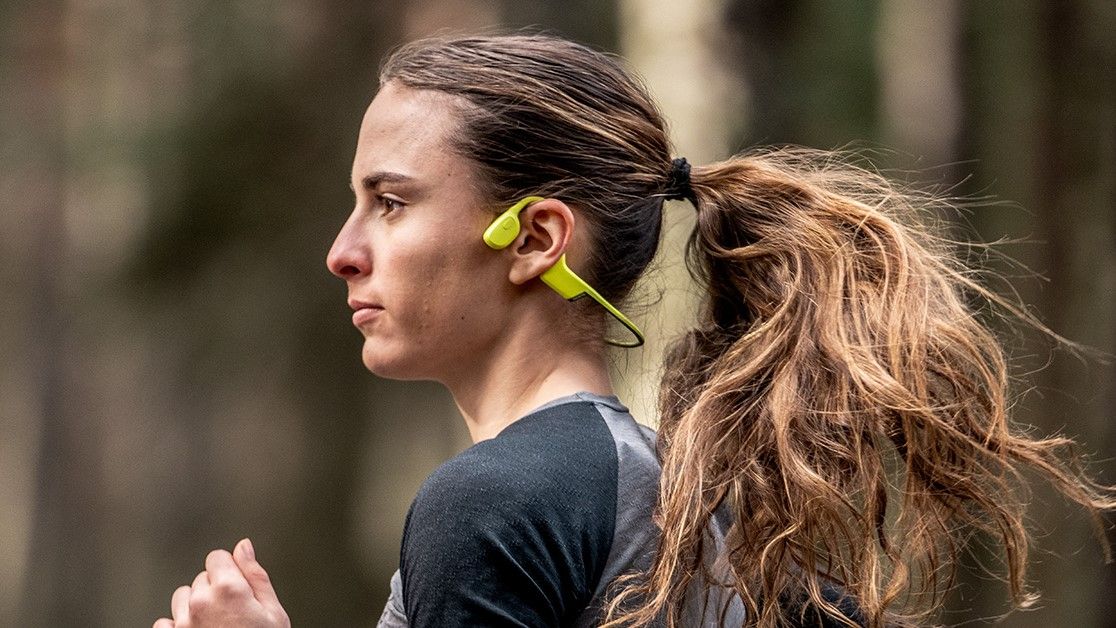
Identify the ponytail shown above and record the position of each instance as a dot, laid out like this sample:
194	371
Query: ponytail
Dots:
838	401
840	398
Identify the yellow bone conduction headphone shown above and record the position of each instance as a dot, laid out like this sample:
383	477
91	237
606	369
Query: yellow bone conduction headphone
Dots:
564	281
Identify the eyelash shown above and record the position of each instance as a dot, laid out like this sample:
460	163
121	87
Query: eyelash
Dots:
389	204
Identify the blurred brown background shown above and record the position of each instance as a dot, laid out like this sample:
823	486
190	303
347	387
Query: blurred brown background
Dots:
178	369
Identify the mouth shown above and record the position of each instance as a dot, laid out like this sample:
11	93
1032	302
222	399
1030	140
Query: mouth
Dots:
364	312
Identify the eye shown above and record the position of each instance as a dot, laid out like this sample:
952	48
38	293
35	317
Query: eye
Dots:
389	203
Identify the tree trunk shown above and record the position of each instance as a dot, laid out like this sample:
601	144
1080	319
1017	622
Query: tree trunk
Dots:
680	50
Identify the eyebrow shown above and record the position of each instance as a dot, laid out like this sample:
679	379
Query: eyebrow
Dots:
370	181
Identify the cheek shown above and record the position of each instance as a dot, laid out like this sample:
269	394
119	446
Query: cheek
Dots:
449	293
448	303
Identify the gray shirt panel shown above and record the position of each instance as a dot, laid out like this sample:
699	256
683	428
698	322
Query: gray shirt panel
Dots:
635	536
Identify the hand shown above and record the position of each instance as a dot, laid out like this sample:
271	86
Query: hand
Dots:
234	591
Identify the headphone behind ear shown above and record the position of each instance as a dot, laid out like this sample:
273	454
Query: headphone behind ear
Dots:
559	277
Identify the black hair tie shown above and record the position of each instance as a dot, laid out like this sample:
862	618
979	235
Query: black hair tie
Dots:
678	183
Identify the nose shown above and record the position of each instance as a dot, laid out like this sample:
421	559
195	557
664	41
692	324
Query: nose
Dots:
349	256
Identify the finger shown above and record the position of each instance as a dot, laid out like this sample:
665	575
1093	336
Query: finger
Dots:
180	605
245	556
201	584
200	597
163	622
225	575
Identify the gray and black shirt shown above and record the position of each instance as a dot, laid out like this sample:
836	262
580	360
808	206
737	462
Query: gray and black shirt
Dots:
531	527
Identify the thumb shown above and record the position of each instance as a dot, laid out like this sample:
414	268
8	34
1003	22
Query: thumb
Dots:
245	556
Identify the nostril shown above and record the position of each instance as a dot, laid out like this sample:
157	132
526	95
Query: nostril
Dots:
344	264
349	256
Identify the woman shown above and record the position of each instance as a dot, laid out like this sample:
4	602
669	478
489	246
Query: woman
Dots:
830	430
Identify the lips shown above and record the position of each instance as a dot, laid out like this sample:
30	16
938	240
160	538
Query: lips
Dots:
364	311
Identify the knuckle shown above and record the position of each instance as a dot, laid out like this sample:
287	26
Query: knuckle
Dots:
228	589
258	573
200	602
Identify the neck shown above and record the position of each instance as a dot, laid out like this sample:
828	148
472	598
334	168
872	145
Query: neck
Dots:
522	374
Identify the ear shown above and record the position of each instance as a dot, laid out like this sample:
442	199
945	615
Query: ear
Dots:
545	230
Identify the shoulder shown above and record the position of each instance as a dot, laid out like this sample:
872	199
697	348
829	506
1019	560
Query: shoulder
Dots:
536	505
541	462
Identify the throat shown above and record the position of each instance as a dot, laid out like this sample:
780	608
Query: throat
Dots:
502	396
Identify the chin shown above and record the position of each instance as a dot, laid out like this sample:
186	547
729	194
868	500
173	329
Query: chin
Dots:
393	364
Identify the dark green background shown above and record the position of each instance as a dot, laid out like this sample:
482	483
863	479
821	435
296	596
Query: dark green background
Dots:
178	367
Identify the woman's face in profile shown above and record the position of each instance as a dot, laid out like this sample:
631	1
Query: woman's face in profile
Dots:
426	291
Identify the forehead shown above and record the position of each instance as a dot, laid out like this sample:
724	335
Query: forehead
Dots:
407	131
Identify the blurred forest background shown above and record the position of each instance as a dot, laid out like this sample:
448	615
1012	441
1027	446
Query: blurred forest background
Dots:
178	368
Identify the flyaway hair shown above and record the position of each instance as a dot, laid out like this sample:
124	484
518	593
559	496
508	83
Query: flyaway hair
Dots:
842	396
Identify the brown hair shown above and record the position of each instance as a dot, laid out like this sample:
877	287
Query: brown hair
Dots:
839	393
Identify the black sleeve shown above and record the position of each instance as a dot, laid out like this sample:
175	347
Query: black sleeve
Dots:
510	533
